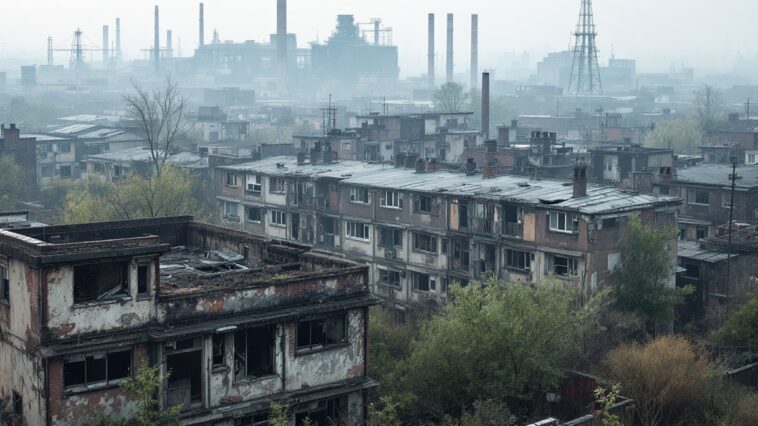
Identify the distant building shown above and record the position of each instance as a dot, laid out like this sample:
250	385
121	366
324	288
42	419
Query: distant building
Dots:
618	164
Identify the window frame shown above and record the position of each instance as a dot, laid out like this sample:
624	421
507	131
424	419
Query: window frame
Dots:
233	182
726	198
351	231
327	320
234	216
511	255
385	275
277	185
572	266
256	187
570	222
278	218
96	384
432	243
692	196
5	285
261	214
431	282
357	195
124	287
391	200
420	200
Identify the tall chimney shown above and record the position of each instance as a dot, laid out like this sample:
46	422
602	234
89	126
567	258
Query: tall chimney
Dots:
430	52
376	32
201	35
118	39
106	44
580	180
157	42
49	51
449	68
474	50
169	44
281	44
486	104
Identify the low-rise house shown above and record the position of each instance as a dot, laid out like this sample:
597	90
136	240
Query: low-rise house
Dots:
421	229
233	321
617	164
113	166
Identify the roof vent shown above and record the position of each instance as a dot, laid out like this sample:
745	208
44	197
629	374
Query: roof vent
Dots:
279	165
523	184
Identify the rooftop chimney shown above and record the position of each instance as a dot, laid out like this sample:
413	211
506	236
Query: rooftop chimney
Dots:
157	42
449	68
580	180
118	39
485	104
430	52
106	44
475	51
281	44
420	165
470	167
201	35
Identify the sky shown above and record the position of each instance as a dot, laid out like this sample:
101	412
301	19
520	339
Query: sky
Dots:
660	34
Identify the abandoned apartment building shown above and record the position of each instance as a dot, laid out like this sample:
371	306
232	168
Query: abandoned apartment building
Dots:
421	229
234	320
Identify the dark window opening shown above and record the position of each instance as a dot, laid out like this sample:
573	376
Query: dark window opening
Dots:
463	215
99	281
425	243
692	271
18	404
389	277
389	237
321	332
701	232
219	349
257	419
518	259
422	204
142	279
184	384
102	368
563	266
254	352
423	282
5	285
254	214
324	413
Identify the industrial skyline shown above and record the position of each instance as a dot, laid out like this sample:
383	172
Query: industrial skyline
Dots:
501	29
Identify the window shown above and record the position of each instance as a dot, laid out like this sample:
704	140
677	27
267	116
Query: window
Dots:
65	171
117	171
99	168
610	222
254	214
278	218
726	199
254	352
390	237
47	171
64	147
96	369
692	271
462	215
5	285
143	278
18	404
424	242
698	196
392	199
231	210
701	232
751	158
321	332
389	277
518	260
231	179
258	419
323	413
358	231
564	222
423	282
561	265
253	184
277	186
360	195
100	281
422	204
219	349
347	146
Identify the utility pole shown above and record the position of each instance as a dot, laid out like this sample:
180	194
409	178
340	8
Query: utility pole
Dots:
729	243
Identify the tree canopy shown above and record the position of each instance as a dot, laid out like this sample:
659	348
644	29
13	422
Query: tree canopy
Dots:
741	329
682	136
11	183
450	97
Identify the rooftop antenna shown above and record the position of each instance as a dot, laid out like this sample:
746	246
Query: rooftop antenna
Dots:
585	71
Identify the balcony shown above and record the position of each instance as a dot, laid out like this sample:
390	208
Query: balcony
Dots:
513	230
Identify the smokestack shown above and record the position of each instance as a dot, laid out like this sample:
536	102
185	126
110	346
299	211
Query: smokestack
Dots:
580	180
118	39
201	36
486	104
376	32
157	42
281	44
49	51
474	50
449	69
430	52
106	43
169	44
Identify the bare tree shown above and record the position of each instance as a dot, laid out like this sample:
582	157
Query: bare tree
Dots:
160	118
450	97
710	107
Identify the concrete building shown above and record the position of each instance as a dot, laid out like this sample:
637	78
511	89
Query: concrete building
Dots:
114	166
421	230
618	164
237	320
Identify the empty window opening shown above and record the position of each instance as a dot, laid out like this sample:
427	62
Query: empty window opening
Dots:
96	369
254	352
143	279
423	282
5	285
322	413
320	332
257	419
18	405
219	349
100	281
184	384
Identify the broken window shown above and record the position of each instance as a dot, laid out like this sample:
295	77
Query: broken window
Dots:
254	214
254	352
423	282
231	210
277	186
219	349
257	419
390	277
323	413
360	195
98	281
320	332
692	271
143	278
253	184
462	215
518	260
5	285
698	196
18	405
231	179
561	265
564	222
422	204
424	242
96	369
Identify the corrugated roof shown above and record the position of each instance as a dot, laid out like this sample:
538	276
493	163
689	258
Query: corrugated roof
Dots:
692	250
548	193
74	128
188	159
718	174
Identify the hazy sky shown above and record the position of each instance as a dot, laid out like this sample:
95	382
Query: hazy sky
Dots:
659	33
